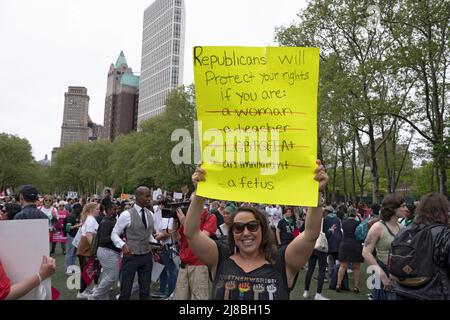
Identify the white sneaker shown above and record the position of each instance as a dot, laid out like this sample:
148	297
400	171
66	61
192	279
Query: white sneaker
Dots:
306	294
83	295
318	296
170	297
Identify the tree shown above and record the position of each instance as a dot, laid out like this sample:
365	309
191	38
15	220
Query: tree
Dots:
370	79
422	48
17	162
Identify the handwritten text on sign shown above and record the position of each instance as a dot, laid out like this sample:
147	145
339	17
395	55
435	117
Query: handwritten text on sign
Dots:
257	113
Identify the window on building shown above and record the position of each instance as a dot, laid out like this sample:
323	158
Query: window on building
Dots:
176	46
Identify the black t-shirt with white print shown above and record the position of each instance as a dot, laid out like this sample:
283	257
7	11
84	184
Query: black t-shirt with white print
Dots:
268	282
286	232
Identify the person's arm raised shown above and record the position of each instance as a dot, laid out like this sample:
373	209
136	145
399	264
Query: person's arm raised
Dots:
299	250
201	245
46	270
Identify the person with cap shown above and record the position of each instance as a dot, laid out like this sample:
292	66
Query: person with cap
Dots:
28	195
58	236
137	223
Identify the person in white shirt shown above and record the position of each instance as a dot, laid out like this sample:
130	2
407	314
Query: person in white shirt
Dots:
163	234
89	230
49	210
137	223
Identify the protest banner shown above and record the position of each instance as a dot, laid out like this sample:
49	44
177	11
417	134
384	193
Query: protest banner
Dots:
72	194
125	197
177	196
257	113
23	243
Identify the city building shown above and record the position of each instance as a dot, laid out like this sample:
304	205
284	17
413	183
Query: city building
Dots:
44	162
75	119
162	55
96	131
121	100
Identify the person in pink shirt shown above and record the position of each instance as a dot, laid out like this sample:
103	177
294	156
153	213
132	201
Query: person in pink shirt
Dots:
58	235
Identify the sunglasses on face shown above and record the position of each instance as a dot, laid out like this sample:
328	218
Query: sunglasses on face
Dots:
47	200
252	226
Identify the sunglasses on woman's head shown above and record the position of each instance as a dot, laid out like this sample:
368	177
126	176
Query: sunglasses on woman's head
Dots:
252	226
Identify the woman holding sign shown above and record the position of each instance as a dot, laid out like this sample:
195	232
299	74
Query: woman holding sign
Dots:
251	268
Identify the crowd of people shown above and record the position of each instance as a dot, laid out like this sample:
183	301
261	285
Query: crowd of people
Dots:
243	251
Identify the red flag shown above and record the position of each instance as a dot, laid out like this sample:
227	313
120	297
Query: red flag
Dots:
89	272
55	294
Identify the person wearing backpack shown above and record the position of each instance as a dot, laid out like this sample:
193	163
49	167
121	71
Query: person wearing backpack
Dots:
380	237
419	260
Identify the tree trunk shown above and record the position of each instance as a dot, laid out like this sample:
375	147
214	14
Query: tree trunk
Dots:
333	196
373	163
386	161
353	169
432	178
443	176
343	171
394	153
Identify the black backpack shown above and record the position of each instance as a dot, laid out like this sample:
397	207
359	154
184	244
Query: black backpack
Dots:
412	262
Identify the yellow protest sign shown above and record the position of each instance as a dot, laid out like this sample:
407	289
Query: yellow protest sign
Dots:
257	122
125	197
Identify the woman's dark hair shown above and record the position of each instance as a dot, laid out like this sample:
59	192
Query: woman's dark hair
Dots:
376	209
391	203
432	208
342	208
267	238
11	210
412	210
351	212
294	216
285	209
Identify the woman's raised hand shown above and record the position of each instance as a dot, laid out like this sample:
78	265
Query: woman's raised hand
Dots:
198	175
321	175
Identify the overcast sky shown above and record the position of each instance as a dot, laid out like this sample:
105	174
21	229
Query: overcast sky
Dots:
48	45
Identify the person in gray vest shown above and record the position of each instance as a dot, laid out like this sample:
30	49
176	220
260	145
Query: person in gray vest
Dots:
137	223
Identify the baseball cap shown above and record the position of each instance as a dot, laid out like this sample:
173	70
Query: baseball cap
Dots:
29	192
77	206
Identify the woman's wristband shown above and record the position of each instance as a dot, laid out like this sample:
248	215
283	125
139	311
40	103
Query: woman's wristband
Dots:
39	277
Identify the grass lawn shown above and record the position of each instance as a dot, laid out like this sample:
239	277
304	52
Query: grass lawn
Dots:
59	281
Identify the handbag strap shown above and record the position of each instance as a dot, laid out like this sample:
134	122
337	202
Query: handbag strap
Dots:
389	230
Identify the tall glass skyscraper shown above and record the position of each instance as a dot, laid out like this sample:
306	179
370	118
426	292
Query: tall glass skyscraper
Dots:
162	55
